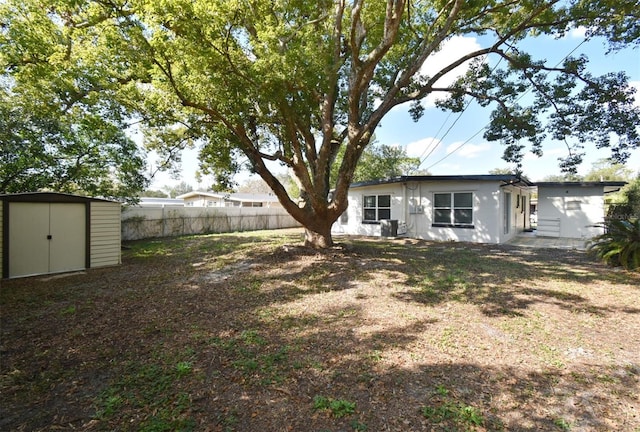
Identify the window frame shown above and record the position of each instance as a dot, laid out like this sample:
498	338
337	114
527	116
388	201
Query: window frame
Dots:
377	208
452	207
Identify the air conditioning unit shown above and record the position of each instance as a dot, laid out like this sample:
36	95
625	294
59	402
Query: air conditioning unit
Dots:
402	228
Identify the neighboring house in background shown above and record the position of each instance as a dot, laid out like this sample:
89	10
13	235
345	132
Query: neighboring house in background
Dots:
221	199
160	202
472	208
573	209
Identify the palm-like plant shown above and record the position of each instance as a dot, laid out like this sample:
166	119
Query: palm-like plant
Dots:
620	244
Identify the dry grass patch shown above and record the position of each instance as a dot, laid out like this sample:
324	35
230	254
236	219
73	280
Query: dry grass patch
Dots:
251	332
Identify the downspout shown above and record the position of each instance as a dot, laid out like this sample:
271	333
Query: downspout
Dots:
405	203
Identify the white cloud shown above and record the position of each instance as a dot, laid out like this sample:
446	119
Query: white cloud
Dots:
578	33
422	147
451	50
468	151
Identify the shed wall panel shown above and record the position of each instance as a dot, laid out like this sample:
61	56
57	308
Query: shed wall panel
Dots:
105	234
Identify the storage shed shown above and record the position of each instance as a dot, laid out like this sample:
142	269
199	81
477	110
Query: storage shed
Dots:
45	232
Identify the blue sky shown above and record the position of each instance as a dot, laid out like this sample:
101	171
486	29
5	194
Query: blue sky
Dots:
463	150
460	151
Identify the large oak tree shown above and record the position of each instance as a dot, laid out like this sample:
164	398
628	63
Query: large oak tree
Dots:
305	83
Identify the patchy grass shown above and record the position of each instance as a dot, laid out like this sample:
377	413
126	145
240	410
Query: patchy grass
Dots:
252	332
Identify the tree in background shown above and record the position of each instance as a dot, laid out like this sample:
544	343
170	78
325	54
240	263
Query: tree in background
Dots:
179	189
601	170
608	170
254	185
626	203
380	161
567	177
384	161
259	186
68	152
503	170
305	84
154	193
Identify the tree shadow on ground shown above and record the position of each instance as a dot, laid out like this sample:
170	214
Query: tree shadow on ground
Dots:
390	327
336	362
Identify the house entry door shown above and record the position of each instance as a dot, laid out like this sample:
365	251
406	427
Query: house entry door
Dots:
46	238
507	212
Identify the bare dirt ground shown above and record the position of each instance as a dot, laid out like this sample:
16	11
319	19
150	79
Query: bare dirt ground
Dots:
251	332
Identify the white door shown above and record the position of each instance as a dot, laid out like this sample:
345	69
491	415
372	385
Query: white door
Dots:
46	238
507	212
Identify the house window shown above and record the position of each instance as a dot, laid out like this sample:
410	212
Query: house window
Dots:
453	209
377	207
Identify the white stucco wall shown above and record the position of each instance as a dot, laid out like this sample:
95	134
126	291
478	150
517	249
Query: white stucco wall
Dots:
354	225
574	210
412	204
203	201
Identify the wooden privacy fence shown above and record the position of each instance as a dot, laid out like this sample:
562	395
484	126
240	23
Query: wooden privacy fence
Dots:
150	222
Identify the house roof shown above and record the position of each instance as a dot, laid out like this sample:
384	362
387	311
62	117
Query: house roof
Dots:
504	178
608	186
582	184
156	201
240	197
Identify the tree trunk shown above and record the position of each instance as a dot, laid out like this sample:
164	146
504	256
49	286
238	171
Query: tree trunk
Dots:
318	237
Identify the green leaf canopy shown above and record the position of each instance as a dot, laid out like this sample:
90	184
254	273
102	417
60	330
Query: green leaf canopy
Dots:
304	84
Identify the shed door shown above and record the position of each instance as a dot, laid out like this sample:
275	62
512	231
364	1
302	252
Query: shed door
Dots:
28	244
67	244
46	238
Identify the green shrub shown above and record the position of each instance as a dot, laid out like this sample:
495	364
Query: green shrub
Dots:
620	244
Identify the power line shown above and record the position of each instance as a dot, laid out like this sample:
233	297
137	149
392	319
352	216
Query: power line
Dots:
459	115
457	148
433	139
485	126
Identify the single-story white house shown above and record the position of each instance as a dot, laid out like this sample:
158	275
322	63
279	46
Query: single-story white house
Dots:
46	232
573	209
221	199
471	208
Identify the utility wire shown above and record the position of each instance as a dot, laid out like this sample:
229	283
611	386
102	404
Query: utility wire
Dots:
457	118
485	126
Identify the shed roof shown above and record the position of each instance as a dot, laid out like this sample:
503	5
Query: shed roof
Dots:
49	197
